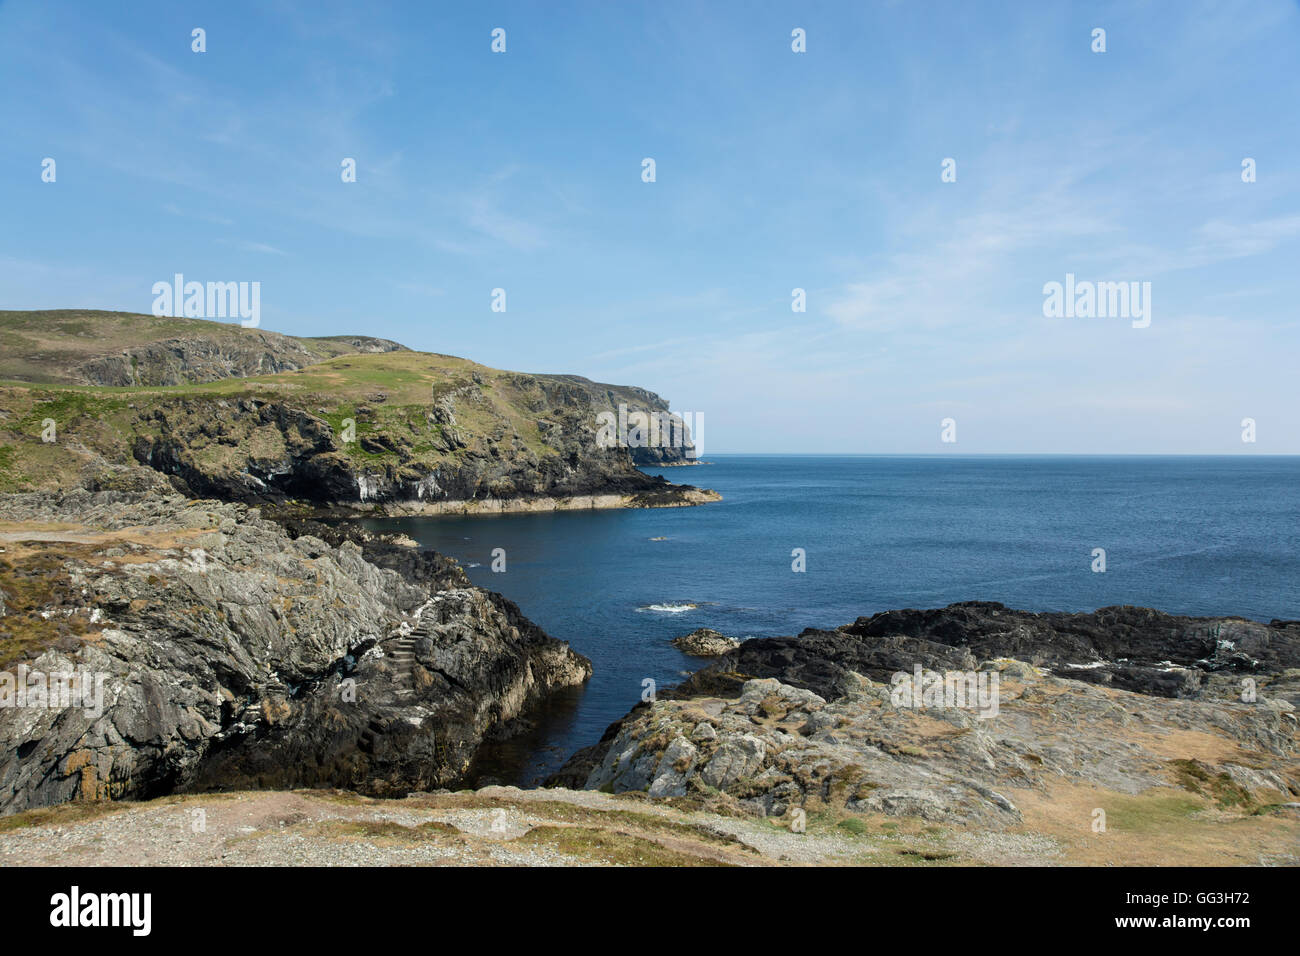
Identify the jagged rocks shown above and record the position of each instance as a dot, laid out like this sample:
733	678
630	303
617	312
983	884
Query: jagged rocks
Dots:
705	642
237	656
1135	648
734	759
815	722
778	747
178	361
1132	648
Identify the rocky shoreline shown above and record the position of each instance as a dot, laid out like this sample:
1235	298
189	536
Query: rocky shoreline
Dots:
237	652
1118	703
677	496
264	648
248	648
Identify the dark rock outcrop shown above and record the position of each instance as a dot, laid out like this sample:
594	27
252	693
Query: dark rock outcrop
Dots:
256	450
236	655
705	642
1133	648
810	720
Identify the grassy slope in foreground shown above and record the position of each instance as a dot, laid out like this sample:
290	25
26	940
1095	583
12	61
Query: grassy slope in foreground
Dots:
502	826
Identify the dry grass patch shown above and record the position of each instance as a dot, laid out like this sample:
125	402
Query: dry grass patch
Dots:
1162	826
64	815
612	847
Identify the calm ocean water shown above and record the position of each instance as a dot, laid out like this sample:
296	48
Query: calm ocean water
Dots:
1185	535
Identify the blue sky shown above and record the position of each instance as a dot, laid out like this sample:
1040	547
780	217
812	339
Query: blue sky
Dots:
775	170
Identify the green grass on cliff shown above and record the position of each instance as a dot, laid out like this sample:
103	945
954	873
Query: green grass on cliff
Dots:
48	346
387	395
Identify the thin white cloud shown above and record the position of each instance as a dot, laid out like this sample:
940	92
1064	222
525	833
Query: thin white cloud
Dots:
484	216
174	210
246	245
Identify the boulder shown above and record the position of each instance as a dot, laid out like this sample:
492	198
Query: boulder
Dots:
705	642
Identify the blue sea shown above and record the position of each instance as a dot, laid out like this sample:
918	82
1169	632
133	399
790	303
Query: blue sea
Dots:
1188	535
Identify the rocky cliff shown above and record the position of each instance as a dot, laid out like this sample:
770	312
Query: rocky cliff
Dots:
250	415
236	653
462	447
678	449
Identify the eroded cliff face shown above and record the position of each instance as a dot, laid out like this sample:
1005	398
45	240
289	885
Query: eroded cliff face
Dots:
234	654
461	448
677	448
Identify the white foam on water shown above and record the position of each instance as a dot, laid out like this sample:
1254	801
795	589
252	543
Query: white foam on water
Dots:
669	608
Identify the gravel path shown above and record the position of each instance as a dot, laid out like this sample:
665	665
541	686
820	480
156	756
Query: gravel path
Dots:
495	826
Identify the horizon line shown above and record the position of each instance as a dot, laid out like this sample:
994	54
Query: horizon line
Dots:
986	454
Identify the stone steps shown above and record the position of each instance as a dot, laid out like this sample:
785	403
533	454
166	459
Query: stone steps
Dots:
401	654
